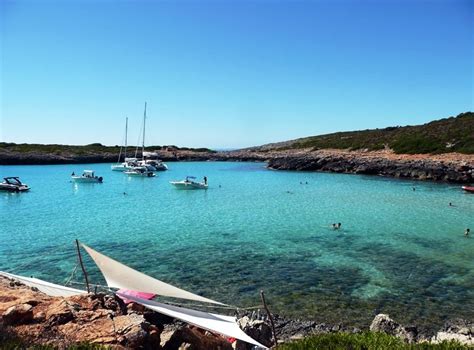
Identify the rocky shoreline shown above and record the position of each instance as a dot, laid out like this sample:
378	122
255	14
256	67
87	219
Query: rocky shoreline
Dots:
448	167
31	317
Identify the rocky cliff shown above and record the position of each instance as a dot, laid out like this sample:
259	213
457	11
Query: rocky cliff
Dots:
456	168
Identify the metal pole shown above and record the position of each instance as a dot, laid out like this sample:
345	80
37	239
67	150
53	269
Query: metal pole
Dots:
143	144
262	295
126	136
82	266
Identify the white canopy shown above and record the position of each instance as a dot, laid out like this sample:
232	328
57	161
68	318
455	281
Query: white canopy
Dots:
225	325
121	276
54	290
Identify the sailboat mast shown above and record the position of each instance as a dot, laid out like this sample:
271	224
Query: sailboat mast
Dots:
126	135
143	144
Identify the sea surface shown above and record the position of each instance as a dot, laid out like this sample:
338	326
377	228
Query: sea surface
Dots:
399	251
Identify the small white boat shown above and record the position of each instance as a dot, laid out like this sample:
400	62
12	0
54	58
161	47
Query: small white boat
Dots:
140	171
190	184
87	176
13	184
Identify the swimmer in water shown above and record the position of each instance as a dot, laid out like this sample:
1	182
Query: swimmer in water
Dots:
466	233
339	225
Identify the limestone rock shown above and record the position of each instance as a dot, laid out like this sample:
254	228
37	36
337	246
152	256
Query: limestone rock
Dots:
257	329
458	330
383	323
193	339
18	314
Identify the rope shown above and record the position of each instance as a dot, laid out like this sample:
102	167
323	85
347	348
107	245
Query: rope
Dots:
72	275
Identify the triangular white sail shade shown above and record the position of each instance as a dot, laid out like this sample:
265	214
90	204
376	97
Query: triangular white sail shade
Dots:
225	325
54	290
121	276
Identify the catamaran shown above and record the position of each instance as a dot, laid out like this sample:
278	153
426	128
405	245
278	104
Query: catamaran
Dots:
87	176
140	288
151	158
190	184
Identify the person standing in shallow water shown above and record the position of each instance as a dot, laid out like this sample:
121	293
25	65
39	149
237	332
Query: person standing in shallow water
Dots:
205	180
467	232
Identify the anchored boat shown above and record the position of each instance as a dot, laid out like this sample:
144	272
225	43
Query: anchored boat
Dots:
468	189
190	184
151	164
13	184
87	176
140	171
128	162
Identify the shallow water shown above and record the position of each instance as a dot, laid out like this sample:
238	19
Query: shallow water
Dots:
399	251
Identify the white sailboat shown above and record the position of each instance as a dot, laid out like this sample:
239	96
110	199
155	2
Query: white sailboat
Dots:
141	168
128	162
149	159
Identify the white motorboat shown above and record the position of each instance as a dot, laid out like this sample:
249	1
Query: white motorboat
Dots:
87	176
140	171
190	184
13	184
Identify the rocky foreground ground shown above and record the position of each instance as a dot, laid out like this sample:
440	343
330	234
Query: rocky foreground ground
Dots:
35	318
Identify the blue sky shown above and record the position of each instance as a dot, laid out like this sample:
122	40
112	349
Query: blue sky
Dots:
229	73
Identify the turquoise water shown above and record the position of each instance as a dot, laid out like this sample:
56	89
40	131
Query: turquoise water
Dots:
399	251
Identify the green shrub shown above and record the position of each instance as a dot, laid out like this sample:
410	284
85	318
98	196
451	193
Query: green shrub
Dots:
363	341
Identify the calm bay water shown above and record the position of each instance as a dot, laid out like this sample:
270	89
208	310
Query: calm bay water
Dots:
399	251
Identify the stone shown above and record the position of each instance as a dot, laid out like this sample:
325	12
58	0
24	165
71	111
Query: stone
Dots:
59	312
383	323
18	314
193	339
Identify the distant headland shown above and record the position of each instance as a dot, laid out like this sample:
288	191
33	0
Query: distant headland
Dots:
442	150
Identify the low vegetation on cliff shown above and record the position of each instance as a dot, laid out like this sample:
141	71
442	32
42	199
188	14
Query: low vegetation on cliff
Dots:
453	134
93	148
364	341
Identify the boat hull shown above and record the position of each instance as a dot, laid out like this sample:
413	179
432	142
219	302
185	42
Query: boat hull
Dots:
135	174
183	185
469	189
85	179
13	188
119	168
